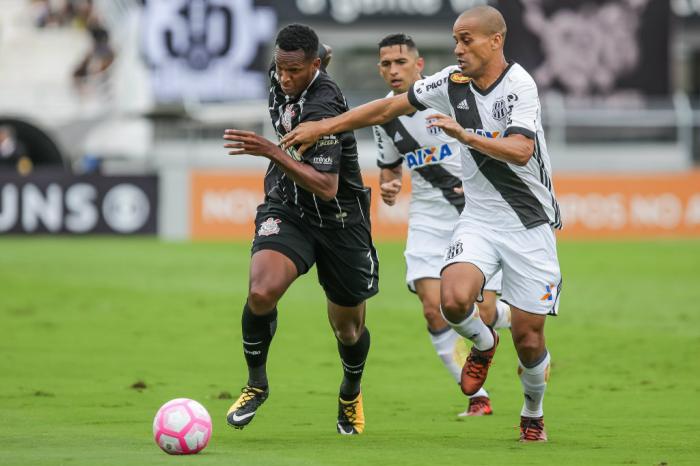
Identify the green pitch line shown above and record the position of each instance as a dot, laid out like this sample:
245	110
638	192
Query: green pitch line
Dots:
83	320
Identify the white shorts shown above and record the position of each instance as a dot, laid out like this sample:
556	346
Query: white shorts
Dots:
425	257
528	259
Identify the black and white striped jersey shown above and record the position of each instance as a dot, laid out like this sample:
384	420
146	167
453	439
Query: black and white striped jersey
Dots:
334	154
434	161
499	195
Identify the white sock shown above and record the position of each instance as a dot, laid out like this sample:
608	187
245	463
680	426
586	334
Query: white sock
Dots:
444	344
502	315
474	329
534	380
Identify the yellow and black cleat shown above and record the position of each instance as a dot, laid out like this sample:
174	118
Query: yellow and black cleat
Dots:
242	411
351	416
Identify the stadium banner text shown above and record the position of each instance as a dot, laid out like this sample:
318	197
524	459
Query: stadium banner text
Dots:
45	203
195	49
606	206
565	44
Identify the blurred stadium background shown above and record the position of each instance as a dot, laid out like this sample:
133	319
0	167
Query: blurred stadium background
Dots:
92	90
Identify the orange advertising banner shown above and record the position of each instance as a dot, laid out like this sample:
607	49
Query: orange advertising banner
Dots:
630	206
223	205
607	206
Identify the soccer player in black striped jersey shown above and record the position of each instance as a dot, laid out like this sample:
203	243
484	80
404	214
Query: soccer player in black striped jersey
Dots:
492	107
316	210
437	199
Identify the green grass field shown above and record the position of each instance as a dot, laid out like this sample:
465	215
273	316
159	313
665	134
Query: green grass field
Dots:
81	320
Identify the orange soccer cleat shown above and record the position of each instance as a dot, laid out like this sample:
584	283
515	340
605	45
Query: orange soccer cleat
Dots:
478	406
476	368
532	429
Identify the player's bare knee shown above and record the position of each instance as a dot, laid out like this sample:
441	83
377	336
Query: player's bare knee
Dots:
347	334
261	299
529	345
457	306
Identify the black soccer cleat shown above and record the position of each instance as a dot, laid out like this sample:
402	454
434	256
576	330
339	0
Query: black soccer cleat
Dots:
243	410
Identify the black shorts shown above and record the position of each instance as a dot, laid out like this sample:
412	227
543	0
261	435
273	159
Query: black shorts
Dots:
346	261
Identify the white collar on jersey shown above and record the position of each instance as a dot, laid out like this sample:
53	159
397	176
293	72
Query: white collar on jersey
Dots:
493	85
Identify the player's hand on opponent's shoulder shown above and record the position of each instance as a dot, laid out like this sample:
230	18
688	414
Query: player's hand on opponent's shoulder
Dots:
389	191
248	142
448	125
305	135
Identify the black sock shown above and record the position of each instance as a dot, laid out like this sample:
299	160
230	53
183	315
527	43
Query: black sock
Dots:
353	358
257	336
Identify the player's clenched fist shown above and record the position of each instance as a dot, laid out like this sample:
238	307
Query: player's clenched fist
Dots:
389	191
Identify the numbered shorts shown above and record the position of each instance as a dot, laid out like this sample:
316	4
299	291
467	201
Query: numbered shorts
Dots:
345	258
528	259
425	257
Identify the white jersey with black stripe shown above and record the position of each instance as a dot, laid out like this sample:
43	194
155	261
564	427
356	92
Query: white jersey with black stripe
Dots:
500	195
433	160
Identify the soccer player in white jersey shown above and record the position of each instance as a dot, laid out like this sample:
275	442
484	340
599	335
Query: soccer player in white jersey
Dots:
510	211
437	199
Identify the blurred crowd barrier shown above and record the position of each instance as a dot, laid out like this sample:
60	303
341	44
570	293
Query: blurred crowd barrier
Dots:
204	204
60	203
593	206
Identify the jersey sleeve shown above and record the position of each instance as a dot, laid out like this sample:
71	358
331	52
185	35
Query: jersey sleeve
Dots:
523	109
325	155
388	155
431	92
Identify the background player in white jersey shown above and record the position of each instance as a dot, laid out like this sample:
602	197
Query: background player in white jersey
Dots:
510	209
437	199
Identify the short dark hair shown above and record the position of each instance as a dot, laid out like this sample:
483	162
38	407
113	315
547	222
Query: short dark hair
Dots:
298	37
398	39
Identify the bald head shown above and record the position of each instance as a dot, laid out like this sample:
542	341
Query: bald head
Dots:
479	35
489	19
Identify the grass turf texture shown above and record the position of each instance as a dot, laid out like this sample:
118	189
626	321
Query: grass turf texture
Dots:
85	319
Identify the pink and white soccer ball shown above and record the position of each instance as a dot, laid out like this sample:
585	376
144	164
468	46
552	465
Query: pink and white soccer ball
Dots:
182	427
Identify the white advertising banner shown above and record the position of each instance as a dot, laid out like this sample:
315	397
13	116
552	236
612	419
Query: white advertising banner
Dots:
207	50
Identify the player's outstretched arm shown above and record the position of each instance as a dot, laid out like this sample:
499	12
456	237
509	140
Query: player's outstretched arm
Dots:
515	148
324	185
372	113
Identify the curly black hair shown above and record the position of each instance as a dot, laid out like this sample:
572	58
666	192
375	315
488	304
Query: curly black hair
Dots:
398	39
298	37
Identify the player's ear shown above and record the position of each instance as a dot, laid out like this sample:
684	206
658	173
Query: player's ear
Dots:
325	53
316	63
421	64
497	41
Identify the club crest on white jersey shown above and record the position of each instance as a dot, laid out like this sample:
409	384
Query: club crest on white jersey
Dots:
500	110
